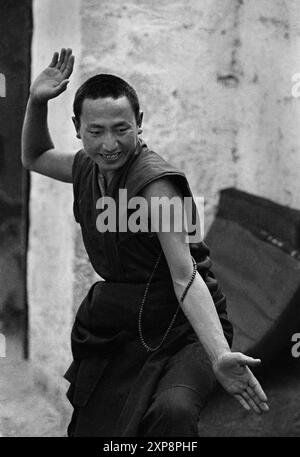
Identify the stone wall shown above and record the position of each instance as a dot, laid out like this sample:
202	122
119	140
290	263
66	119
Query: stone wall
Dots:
214	79
267	116
173	53
52	229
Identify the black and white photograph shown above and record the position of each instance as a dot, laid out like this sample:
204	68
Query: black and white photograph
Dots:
149	221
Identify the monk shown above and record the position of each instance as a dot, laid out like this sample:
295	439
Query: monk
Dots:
152	339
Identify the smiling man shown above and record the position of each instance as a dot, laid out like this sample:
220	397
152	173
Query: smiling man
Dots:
149	341
108	120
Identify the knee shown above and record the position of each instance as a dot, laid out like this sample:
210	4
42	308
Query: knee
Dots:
176	405
173	412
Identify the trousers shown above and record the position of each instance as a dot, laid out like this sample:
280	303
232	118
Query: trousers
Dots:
174	412
174	405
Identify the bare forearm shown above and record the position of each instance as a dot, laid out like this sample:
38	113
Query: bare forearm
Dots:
200	310
36	138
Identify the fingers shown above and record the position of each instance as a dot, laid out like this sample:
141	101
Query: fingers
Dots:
254	395
259	400
62	87
238	380
251	402
64	84
246	360
67	57
69	66
255	391
64	63
242	401
258	403
264	407
61	58
253	362
54	60
248	402
256	388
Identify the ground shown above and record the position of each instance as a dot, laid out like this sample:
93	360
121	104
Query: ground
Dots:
25	410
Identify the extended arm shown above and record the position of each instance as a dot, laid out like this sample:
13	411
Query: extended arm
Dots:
38	152
231	369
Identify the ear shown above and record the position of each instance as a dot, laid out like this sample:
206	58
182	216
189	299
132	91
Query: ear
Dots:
140	121
77	126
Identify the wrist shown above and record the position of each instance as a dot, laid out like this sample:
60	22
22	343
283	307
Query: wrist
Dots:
35	100
215	360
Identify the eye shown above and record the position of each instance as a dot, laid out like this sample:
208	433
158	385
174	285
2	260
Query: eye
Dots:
122	129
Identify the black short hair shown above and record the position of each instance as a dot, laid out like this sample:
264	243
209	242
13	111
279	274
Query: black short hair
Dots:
105	85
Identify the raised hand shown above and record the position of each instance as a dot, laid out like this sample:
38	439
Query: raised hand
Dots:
233	374
54	79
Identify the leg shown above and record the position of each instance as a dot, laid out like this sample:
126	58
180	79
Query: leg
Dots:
182	392
174	412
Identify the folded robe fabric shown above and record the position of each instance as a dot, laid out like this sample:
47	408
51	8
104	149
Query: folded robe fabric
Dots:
100	336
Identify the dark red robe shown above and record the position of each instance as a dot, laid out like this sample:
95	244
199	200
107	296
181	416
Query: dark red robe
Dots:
113	377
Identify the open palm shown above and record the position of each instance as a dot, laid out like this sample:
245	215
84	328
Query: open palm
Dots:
54	79
234	375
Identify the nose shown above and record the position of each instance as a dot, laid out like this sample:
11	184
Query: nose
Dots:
110	143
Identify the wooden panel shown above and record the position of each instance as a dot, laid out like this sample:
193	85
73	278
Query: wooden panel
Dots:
16	31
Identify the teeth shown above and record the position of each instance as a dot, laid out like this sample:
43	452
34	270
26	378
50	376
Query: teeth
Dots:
111	156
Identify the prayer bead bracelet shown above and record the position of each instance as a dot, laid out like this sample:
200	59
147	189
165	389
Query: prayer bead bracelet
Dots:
147	347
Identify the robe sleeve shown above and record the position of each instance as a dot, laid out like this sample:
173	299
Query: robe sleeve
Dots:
82	165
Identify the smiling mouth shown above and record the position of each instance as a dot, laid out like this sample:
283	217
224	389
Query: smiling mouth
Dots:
111	157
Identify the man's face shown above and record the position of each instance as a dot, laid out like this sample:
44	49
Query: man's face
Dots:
108	130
